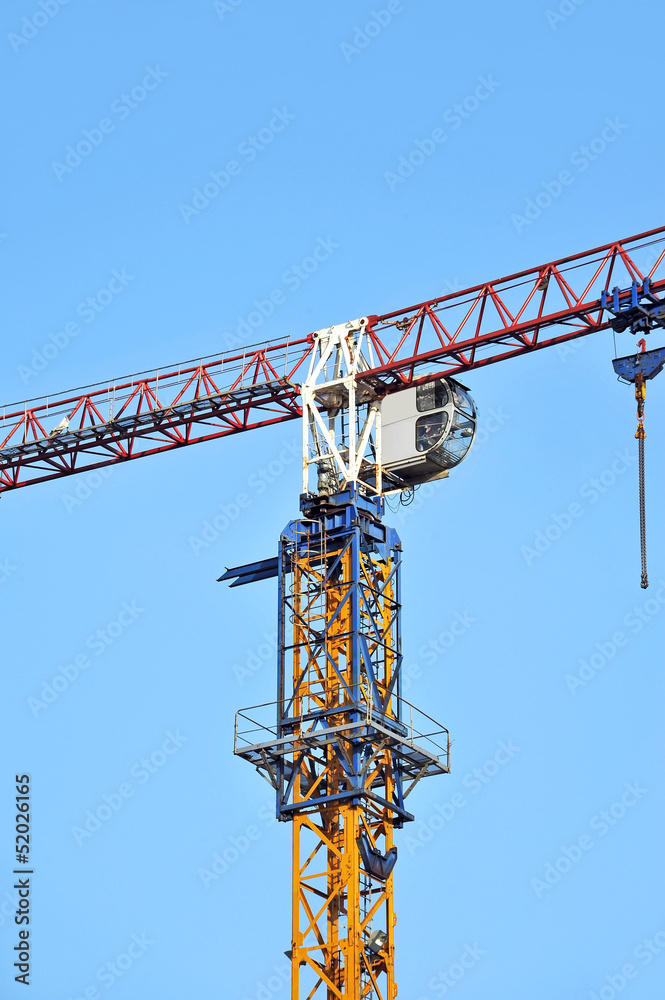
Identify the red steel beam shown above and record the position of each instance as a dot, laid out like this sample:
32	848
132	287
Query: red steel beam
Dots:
150	413
158	411
512	316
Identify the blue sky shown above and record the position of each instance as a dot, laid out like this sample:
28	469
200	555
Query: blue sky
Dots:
333	108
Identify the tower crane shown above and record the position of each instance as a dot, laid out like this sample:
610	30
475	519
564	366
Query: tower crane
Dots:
382	411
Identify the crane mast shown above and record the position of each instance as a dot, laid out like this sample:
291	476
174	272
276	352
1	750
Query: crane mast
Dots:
343	749
342	779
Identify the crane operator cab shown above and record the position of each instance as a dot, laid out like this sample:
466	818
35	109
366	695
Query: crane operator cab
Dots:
426	430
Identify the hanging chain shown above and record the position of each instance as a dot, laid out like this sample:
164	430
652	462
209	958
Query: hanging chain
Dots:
643	527
640	396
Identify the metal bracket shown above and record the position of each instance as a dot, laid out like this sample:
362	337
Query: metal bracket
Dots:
636	308
642	366
264	569
377	864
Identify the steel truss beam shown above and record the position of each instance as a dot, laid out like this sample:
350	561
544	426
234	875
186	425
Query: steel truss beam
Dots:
150	413
159	411
523	312
345	749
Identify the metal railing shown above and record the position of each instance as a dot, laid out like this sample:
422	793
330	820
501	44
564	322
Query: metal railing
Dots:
403	724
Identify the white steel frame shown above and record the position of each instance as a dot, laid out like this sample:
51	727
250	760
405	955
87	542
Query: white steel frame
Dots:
334	440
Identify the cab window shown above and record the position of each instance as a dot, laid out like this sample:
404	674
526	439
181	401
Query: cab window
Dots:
429	430
431	396
462	399
460	438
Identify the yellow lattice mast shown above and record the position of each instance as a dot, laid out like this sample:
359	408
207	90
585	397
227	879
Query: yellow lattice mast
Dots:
336	901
